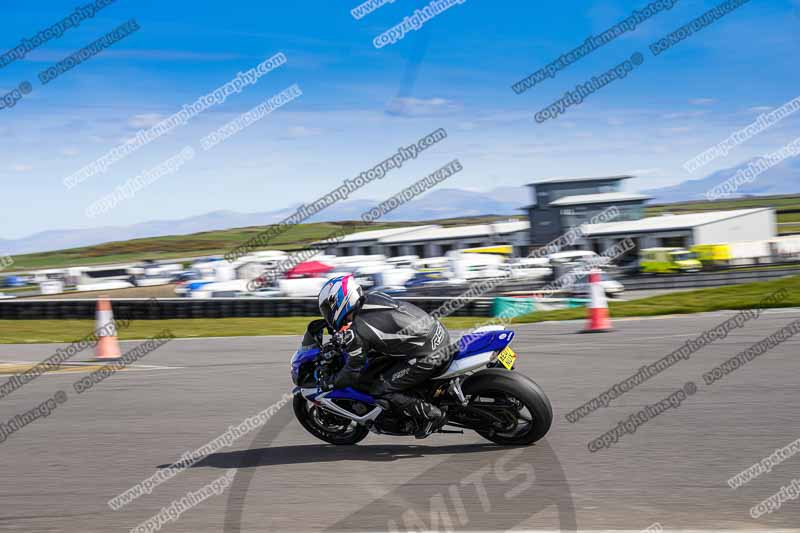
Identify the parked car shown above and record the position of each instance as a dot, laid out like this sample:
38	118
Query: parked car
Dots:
13	282
528	268
186	288
425	278
581	288
393	290
572	257
188	275
263	292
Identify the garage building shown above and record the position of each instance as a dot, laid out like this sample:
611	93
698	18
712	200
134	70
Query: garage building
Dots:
684	231
433	240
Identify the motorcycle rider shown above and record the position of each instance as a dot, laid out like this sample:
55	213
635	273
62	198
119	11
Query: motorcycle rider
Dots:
376	324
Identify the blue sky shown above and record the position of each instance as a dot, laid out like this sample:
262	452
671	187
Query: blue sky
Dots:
360	103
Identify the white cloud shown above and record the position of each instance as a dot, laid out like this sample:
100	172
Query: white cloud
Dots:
68	152
684	114
297	132
759	109
702	101
643	171
145	120
21	168
418	107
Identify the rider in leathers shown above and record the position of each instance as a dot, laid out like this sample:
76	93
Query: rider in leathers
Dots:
377	324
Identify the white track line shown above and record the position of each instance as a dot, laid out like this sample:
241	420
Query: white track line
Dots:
78	364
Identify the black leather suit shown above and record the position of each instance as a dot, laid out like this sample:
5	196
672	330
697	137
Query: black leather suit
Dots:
383	326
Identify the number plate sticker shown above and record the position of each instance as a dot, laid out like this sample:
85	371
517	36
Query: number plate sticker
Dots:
507	357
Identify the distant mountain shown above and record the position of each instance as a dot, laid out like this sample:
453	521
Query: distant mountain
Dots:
451	203
439	203
783	178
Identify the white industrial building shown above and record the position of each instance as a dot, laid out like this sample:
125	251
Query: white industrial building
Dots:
432	240
368	242
679	231
684	231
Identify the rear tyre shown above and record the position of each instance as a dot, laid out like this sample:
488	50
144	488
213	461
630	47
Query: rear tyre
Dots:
327	426
519	400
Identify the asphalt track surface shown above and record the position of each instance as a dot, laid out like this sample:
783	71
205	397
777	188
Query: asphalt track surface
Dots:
59	472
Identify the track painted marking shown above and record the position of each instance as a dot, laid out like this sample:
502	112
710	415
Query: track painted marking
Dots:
8	368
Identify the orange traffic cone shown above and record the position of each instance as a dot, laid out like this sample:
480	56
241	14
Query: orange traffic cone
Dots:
106	330
599	318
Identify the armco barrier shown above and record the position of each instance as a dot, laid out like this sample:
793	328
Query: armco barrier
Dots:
152	309
705	279
697	280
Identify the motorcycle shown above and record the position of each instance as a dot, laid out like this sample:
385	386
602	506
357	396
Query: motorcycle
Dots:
479	391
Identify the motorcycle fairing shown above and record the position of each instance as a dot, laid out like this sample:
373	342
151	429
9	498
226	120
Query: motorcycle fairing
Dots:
489	341
475	343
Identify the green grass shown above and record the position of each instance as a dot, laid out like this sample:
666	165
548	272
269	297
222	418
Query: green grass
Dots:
748	296
206	243
780	203
175	246
794	229
44	331
34	331
735	297
16	290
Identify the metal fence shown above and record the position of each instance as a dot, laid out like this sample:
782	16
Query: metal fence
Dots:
706	279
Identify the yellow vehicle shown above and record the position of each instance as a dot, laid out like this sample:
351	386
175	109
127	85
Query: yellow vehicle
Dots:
500	249
735	253
713	255
668	260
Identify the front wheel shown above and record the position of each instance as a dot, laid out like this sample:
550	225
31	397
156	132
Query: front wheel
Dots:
325	425
520	410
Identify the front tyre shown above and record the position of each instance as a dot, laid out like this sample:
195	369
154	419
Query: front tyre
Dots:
325	425
523	408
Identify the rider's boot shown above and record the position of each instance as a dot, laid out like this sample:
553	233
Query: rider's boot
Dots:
427	418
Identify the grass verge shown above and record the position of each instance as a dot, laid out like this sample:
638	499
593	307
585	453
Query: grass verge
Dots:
737	297
734	297
44	331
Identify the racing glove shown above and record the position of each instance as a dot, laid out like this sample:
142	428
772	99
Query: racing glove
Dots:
345	342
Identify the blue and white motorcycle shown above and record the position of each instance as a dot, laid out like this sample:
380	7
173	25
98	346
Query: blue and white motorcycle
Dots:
478	391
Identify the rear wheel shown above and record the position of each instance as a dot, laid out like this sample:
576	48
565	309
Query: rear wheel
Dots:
520	411
325	425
